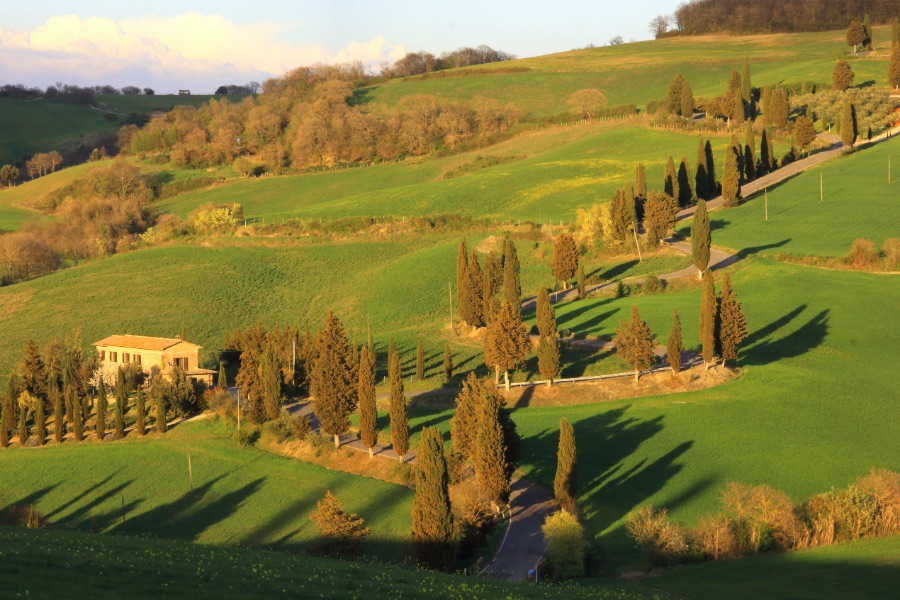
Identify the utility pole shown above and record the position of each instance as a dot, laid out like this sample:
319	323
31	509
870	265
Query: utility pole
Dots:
766	192
636	245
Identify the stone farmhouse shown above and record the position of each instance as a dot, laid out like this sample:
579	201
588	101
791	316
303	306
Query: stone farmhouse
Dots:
148	352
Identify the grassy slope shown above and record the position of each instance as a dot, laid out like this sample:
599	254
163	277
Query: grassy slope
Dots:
858	202
565	169
866	569
242	496
48	564
639	72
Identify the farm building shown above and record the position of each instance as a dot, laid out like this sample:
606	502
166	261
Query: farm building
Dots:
148	352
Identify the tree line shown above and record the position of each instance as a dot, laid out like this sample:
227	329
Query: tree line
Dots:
745	17
417	63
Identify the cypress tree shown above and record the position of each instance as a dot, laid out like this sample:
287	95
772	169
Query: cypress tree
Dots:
420	360
673	95
399	418
77	414
270	381
4	432
102	404
565	484
731	322
512	286
160	401
448	363
368	412
620	216
565	258
12	400
685	191
848	125
673	347
739	107
670	185
635	343
506	342
731	180
895	33
40	421
659	217
33	375
223	379
544	314
23	429
121	405
582	284
749	153
701	175
708	317
463	284
548	358
700	237
687	101
712	185
463	425
894	68
640	182
487	298
746	87
334	379
432	519
765	100
59	426
475	282
489	454
139	424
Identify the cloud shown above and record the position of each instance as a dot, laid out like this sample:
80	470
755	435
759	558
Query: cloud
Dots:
191	50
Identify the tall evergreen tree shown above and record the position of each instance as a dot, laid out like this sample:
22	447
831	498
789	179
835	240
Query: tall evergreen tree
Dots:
548	358
746	87
867	28
739	110
673	95
420	360
731	180
708	317
506	342
23	423
463	284
687	101
334	379
4	432
59	427
489	302
620	216
670	185
700	237
121	404
848	125
102	405
159	400
463	425
40	421
767	152
894	68
33	376
565	484
685	190
640	181
139	425
368	412
77	413
476	280
448	363
895	33
701	175
659	217
490	451
222	381
580	281
842	76
270	381
398	414
749	153
432	518
635	343
673	347
712	184
512	286
732	325
565	258
11	400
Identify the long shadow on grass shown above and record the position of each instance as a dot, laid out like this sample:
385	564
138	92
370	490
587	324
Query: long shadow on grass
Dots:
617	270
757	249
798	342
584	307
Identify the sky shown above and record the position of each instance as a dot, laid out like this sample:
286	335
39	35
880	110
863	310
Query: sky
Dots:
201	44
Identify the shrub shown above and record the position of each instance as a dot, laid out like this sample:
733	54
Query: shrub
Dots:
566	545
300	427
474	518
342	533
714	538
862	254
891	249
653	284
662	541
247	435
320	443
221	403
213	218
281	428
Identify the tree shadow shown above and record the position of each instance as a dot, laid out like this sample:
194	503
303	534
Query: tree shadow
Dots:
582	308
808	336
757	249
615	271
586	357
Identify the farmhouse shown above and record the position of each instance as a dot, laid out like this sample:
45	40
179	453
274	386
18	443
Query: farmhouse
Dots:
149	352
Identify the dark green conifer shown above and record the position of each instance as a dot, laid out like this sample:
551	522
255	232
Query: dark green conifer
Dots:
40	421
635	343
23	425
270	381
398	412
489	453
731	180
670	186
731	323
463	284
708	317
848	125
544	314
701	175
548	358
4	432
139	425
565	258
565	484
59	426
512	286
685	191
673	347
102	405
581	282
700	237
712	185
334	379
640	182
463	425
368	412
160	402
223	379
448	363
121	404
749	153
432	518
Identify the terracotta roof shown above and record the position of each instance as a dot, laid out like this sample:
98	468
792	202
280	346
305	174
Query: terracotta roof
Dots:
141	342
200	372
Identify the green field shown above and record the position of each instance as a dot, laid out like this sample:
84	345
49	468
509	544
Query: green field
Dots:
560	170
241	496
639	72
43	564
857	202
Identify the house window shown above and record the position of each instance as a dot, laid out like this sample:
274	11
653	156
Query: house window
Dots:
125	358
137	359
102	355
182	363
114	357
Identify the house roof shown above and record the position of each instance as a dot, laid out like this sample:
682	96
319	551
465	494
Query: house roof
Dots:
142	342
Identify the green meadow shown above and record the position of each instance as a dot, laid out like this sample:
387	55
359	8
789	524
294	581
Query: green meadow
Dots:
640	72
240	496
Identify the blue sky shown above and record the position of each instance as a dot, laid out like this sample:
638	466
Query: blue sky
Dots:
201	44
